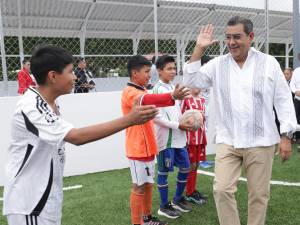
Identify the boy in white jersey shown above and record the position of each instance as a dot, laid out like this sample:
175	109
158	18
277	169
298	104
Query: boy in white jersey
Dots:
171	140
33	191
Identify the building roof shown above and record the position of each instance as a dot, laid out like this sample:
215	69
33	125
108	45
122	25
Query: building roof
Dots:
123	19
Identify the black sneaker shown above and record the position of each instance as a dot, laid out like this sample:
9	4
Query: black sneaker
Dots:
201	195
196	198
152	220
169	212
182	205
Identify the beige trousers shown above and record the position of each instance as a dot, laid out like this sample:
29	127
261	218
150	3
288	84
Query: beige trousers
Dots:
257	163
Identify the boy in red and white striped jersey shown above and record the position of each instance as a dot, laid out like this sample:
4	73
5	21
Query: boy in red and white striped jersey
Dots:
196	144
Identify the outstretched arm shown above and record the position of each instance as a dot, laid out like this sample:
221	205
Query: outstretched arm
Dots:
166	99
138	115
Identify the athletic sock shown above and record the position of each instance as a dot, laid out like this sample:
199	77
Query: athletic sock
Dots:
191	182
147	200
181	183
136	206
162	185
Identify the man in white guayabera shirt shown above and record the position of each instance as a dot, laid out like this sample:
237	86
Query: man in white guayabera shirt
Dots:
247	83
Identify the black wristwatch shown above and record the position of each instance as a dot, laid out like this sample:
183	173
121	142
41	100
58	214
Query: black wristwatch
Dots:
288	135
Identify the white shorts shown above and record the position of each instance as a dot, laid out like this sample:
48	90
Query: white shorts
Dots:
142	172
18	219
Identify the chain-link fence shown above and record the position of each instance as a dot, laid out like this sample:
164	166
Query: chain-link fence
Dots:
126	27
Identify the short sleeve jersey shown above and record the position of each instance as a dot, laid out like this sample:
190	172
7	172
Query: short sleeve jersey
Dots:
197	137
36	157
140	139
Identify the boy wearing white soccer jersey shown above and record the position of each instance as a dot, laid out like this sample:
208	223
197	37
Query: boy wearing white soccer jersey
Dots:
33	190
141	146
171	140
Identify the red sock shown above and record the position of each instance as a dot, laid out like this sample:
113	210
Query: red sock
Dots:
191	182
136	205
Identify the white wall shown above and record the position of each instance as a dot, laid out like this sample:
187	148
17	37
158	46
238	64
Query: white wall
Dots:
80	110
102	84
7	105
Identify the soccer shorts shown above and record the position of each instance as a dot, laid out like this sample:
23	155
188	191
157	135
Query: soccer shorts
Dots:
142	171
19	219
196	153
170	157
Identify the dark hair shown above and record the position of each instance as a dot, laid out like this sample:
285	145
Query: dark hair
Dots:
248	25
288	68
153	59
136	62
205	59
163	60
80	59
25	61
47	58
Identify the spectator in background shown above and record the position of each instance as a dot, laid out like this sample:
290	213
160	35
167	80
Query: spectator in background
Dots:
153	72
295	87
24	78
83	83
288	75
288	72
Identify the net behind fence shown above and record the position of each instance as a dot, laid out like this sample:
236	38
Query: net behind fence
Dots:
107	33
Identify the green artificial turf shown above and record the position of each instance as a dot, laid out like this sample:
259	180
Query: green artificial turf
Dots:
104	198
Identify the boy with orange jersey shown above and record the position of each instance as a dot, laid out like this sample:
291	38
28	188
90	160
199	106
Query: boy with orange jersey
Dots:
141	147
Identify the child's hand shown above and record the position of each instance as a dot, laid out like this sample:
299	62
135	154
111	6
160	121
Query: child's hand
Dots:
180	92
187	125
142	114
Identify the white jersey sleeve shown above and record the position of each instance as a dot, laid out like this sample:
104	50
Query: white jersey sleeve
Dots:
42	122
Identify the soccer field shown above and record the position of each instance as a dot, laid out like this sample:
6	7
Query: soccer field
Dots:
104	198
